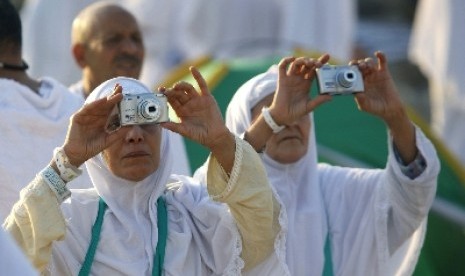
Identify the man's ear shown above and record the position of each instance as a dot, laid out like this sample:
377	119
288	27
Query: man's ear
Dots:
79	52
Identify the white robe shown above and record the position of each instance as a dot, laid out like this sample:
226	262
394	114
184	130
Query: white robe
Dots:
375	219
32	126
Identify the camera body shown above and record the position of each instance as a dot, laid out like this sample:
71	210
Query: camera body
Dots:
146	108
339	79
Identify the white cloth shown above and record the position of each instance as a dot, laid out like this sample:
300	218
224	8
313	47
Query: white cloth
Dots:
228	29
203	238
367	214
323	26
32	126
12	259
178	148
436	46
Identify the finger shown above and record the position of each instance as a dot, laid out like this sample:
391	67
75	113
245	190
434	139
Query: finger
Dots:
176	97
298	66
200	80
183	91
353	62
323	59
175	127
382	60
283	65
320	99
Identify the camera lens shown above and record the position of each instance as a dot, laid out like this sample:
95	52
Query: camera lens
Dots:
346	78
149	109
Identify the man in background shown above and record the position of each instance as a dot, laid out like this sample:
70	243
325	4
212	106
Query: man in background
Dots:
35	114
107	43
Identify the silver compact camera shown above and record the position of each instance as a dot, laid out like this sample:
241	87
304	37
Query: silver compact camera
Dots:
146	108
339	79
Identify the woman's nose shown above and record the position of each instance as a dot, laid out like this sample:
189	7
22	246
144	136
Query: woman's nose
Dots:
135	134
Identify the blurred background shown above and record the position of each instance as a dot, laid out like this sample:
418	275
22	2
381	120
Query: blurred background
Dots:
232	40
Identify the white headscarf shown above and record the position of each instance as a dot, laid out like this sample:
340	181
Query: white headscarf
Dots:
203	238
297	184
128	198
131	205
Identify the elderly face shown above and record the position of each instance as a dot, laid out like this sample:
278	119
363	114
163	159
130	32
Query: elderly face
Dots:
290	144
137	155
114	47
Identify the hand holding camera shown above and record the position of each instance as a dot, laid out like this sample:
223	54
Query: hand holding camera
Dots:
291	100
381	97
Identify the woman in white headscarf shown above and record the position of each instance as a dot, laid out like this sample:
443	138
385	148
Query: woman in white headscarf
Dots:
137	220
374	219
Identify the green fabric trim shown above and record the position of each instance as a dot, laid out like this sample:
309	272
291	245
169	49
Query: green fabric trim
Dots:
96	229
162	222
159	256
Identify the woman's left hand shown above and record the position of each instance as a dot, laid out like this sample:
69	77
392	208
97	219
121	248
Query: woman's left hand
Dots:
200	116
380	97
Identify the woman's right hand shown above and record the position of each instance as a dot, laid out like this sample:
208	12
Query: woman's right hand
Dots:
292	98
86	135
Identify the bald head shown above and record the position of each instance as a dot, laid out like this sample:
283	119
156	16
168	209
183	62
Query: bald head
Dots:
87	21
106	43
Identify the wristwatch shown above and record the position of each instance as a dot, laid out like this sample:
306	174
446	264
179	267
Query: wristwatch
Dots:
67	171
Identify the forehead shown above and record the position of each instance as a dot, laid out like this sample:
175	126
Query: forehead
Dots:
113	21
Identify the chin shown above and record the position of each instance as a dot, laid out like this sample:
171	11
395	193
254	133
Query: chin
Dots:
287	155
138	174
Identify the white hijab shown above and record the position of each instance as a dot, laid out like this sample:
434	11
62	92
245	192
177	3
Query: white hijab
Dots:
131	207
297	184
202	239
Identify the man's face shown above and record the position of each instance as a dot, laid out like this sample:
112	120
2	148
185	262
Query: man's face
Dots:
115	48
137	155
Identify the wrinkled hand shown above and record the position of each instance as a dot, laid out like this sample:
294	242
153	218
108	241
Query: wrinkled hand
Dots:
199	114
86	135
292	98
380	97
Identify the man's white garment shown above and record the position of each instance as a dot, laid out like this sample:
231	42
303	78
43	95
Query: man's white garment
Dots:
32	126
375	219
437	46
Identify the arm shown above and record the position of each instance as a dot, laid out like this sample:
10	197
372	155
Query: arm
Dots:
201	119
381	99
36	219
235	173
410	196
250	200
291	100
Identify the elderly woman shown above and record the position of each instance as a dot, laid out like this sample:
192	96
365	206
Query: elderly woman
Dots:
374	219
137	220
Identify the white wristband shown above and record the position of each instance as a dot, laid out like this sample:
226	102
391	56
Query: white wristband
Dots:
56	183
67	171
270	122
